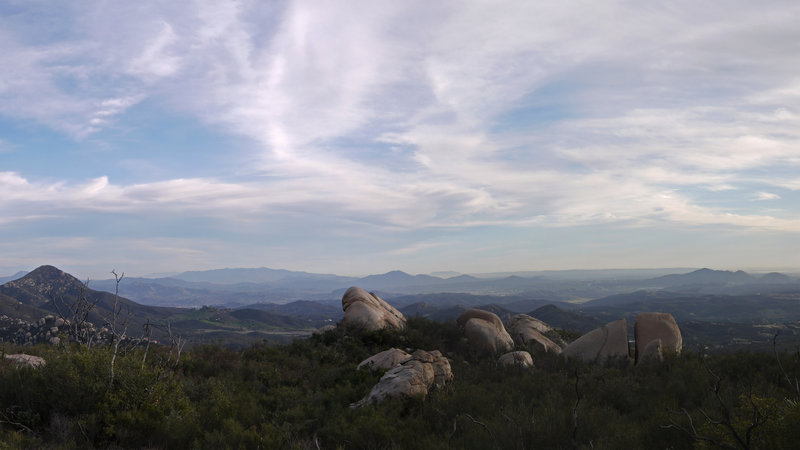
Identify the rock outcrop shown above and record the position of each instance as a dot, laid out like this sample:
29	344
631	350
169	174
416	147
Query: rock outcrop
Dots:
608	341
385	359
526	322
51	330
45	330
414	378
526	330
651	326
520	358
362	308
23	360
485	331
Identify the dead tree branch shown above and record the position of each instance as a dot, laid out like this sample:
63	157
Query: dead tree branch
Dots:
76	316
794	386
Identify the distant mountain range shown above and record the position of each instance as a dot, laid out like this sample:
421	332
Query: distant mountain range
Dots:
239	287
240	309
17	275
243	286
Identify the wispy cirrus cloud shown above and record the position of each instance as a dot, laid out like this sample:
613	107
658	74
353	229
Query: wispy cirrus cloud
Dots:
413	116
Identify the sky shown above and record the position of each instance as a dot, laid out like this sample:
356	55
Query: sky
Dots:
356	137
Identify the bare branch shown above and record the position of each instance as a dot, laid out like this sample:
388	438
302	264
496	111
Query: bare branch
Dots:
691	431
794	386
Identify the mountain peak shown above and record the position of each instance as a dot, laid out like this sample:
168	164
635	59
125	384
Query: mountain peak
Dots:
706	276
48	281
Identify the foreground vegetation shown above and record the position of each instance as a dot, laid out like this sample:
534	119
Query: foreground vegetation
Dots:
298	396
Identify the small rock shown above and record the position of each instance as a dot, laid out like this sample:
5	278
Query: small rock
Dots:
520	358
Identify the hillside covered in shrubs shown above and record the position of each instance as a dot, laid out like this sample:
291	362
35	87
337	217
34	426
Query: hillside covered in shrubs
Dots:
299	396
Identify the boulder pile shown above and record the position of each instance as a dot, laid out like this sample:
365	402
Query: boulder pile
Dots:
49	329
413	378
23	360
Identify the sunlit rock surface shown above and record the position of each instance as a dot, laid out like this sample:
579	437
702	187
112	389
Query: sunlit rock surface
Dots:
651	326
385	359
608	341
362	308
485	331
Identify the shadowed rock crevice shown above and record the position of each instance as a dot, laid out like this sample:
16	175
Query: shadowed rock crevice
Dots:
600	344
652	326
528	331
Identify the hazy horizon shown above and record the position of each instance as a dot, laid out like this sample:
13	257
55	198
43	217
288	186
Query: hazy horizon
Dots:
361	138
640	272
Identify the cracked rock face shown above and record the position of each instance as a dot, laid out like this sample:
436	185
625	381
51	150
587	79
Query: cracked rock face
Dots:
384	360
485	331
362	308
600	344
414	378
526	330
651	326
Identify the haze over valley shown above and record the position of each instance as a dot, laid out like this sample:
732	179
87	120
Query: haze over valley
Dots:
719	310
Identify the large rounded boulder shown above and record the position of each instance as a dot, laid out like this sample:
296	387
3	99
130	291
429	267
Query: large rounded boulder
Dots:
651	326
362	308
600	344
487	316
485	331
529	331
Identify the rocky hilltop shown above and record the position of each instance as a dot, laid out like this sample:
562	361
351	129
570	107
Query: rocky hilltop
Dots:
47	305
